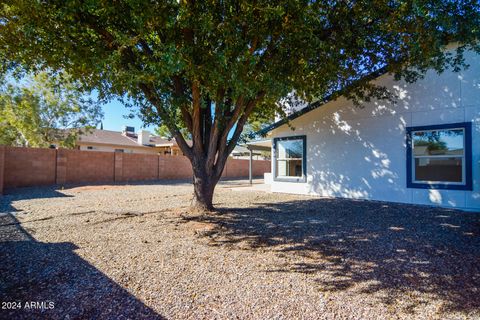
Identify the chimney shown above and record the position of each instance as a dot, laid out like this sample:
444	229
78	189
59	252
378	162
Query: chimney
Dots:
143	137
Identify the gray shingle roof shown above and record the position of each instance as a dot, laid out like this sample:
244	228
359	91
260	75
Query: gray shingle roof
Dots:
98	136
108	137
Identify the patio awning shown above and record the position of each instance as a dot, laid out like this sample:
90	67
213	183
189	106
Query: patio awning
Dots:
262	145
259	145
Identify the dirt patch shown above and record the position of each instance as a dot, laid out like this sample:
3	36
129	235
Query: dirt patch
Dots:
110	252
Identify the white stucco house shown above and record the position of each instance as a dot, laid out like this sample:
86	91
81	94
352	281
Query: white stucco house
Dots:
422	149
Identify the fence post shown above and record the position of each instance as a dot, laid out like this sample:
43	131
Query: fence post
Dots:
158	167
2	168
118	167
161	167
61	167
250	166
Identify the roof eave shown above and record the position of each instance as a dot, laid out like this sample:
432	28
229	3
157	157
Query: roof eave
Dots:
81	142
314	105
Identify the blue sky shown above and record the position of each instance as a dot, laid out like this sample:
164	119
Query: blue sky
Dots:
114	119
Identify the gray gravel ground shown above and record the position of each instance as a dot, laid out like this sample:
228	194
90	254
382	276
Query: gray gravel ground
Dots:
131	252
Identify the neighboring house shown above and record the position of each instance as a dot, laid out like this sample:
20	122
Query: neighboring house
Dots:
423	149
126	141
241	152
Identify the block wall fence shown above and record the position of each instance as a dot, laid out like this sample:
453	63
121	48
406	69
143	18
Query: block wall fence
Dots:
25	167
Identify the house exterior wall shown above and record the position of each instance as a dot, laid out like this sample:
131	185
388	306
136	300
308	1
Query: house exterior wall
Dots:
112	148
360	152
173	151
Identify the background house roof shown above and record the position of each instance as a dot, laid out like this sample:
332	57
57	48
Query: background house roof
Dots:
128	139
107	137
156	140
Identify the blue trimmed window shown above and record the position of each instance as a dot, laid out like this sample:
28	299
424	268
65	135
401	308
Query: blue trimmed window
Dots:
290	159
440	156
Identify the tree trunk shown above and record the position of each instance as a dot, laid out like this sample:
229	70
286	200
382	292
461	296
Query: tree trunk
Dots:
203	188
211	139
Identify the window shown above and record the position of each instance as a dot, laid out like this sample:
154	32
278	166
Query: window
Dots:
290	160
89	148
440	157
119	150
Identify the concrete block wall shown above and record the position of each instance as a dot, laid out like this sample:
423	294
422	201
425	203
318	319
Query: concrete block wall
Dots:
174	167
24	167
84	167
118	166
137	167
239	168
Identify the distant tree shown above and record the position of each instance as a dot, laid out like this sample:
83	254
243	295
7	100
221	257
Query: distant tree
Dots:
209	66
8	134
431	145
434	140
164	132
45	109
253	126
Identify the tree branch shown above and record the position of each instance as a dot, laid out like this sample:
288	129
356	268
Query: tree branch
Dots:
179	92
148	90
207	125
197	118
224	148
150	94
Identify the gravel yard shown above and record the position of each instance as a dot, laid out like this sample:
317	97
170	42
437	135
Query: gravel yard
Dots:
120	252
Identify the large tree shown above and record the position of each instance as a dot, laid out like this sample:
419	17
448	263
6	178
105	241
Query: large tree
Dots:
41	110
210	66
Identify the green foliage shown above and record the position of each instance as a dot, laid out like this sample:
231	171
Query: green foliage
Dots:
8	134
163	131
252	127
177	60
45	109
238	48
431	145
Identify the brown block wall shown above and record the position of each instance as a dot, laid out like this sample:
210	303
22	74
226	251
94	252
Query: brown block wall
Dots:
238	168
61	177
89	166
22	167
29	167
259	167
174	167
118	166
137	167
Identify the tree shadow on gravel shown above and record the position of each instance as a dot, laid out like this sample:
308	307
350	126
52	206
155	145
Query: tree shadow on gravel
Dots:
45	273
364	245
28	193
